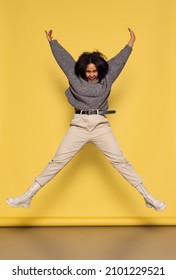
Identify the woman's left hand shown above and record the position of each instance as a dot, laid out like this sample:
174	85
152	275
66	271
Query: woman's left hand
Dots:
132	37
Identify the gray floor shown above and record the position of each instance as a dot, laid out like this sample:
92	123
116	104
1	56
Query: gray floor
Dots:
88	243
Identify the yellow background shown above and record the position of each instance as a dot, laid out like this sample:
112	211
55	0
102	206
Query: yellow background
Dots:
35	113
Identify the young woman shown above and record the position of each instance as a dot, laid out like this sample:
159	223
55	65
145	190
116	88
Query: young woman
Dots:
90	80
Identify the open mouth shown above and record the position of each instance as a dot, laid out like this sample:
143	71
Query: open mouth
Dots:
92	79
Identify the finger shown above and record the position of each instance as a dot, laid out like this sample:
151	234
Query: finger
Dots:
130	30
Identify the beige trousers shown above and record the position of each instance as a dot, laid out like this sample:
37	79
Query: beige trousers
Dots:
84	129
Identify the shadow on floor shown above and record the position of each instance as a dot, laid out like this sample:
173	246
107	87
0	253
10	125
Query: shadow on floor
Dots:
88	243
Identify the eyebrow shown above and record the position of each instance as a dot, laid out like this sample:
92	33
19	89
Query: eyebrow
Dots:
92	70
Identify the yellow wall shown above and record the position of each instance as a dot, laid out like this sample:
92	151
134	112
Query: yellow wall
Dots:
35	114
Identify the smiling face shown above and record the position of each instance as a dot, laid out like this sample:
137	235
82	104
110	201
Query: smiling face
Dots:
91	72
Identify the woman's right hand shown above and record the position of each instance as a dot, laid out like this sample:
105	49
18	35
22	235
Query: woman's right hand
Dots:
49	35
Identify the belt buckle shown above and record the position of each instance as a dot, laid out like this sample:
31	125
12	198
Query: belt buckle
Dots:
92	111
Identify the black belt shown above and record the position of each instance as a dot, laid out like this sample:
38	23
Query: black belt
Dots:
95	112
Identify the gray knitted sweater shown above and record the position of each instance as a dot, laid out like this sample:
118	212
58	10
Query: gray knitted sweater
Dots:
83	95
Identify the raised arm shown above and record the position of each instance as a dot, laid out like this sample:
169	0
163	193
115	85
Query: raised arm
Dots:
63	58
117	63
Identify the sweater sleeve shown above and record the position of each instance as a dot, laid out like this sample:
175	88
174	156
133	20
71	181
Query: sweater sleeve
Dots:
63	58
117	63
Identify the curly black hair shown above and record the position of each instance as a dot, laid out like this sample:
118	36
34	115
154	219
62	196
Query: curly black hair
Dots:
96	58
